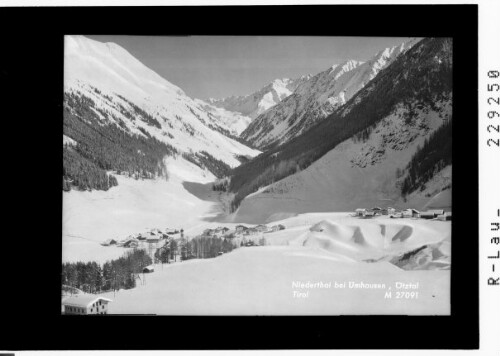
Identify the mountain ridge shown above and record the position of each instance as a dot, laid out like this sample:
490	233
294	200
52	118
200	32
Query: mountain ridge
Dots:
254	104
318	97
109	90
414	93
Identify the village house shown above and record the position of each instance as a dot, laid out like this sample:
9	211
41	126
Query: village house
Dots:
411	213
108	242
427	215
377	210
368	214
444	217
360	212
251	231
240	228
85	304
221	229
130	243
152	239
275	228
436	212
391	210
261	228
148	269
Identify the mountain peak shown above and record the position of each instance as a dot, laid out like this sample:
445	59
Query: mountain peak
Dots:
317	98
109	65
258	102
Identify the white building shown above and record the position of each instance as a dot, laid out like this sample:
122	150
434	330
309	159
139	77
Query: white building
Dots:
360	212
85	304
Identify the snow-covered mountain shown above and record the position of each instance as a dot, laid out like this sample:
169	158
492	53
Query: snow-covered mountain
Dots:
361	155
257	103
107	89
357	173
318	97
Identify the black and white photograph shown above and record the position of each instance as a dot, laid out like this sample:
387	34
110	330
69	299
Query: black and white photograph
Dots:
257	175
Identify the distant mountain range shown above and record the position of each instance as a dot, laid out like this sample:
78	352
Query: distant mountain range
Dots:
257	103
379	148
357	134
317	97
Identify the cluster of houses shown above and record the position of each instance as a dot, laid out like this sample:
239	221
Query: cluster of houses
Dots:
134	240
437	214
241	230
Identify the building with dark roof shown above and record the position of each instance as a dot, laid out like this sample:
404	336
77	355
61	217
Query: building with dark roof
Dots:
85	304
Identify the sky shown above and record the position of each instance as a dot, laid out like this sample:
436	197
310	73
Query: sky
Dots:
221	66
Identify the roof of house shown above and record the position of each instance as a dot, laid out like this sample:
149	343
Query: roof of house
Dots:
83	300
150	267
412	210
436	211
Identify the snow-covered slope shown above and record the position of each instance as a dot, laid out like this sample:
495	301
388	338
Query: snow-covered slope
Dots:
122	89
354	259
91	217
355	173
363	155
257	103
318	97
110	100
233	120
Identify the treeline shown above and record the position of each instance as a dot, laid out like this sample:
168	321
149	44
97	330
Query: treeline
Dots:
204	247
143	115
167	252
203	159
423	73
433	156
103	147
221	185
116	274
82	173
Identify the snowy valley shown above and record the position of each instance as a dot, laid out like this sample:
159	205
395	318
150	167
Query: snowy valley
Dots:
142	156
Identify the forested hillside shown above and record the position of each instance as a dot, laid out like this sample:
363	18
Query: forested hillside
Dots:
434	155
204	159
422	74
114	274
99	147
